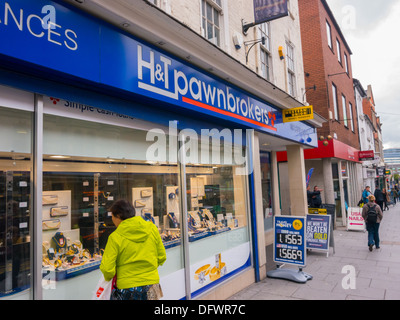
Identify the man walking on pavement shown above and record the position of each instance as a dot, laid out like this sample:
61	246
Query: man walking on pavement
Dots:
373	216
366	193
379	197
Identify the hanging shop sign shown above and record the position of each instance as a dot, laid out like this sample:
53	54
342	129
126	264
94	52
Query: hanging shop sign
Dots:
366	155
267	10
74	44
318	229
355	221
298	114
290	241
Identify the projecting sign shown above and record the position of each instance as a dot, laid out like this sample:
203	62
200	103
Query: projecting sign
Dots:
290	241
366	155
298	114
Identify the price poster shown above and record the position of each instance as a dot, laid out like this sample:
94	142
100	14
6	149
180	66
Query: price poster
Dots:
317	232
290	242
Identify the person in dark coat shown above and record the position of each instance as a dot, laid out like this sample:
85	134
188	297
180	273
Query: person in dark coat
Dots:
316	201
379	197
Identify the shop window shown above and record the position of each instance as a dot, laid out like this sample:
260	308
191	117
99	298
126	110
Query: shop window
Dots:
87	166
15	203
265	162
219	241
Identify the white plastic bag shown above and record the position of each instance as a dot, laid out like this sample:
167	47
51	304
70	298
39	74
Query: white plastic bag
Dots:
103	290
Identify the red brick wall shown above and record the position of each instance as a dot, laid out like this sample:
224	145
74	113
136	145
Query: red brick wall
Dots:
319	62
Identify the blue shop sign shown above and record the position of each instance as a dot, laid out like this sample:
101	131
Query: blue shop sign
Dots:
50	35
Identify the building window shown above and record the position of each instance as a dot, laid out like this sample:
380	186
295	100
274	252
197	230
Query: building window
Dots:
335	102
346	124
266	32
291	69
265	52
339	52
351	117
346	63
329	34
211	11
265	64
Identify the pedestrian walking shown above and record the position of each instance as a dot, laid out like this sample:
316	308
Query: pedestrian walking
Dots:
366	193
133	253
386	199
395	195
379	197
373	216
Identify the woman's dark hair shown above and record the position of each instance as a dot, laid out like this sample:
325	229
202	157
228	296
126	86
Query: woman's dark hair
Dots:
123	209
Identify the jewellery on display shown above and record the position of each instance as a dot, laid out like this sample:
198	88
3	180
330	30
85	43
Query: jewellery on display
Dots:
59	211
145	193
49	199
60	241
173	222
51	224
139	204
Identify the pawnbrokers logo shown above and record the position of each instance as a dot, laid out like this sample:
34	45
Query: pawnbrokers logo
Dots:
163	76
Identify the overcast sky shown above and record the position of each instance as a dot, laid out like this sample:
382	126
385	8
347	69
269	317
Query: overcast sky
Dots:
371	29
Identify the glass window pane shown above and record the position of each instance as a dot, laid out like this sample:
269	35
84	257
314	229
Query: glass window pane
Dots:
87	166
209	12
15	203
216	17
219	241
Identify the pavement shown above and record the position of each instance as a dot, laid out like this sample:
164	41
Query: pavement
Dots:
377	273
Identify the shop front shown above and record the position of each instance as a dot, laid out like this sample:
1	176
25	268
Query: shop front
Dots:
337	171
93	115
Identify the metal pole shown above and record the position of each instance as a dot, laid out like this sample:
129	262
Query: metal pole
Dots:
184	226
36	217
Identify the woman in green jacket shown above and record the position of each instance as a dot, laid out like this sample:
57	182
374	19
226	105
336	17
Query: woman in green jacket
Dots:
133	253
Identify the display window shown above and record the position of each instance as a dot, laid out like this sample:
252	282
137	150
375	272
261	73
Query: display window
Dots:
15	202
217	193
265	162
93	157
87	166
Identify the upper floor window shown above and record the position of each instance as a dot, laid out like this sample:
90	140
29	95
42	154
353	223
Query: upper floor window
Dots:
291	69
335	102
266	32
339	52
265	64
265	52
211	11
346	124
329	34
351	117
346	63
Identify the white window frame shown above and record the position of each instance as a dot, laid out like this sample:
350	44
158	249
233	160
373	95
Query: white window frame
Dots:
265	61
335	101
216	7
329	34
345	122
346	63
339	51
291	73
351	116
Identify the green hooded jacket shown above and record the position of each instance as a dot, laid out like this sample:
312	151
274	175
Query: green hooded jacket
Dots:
133	252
